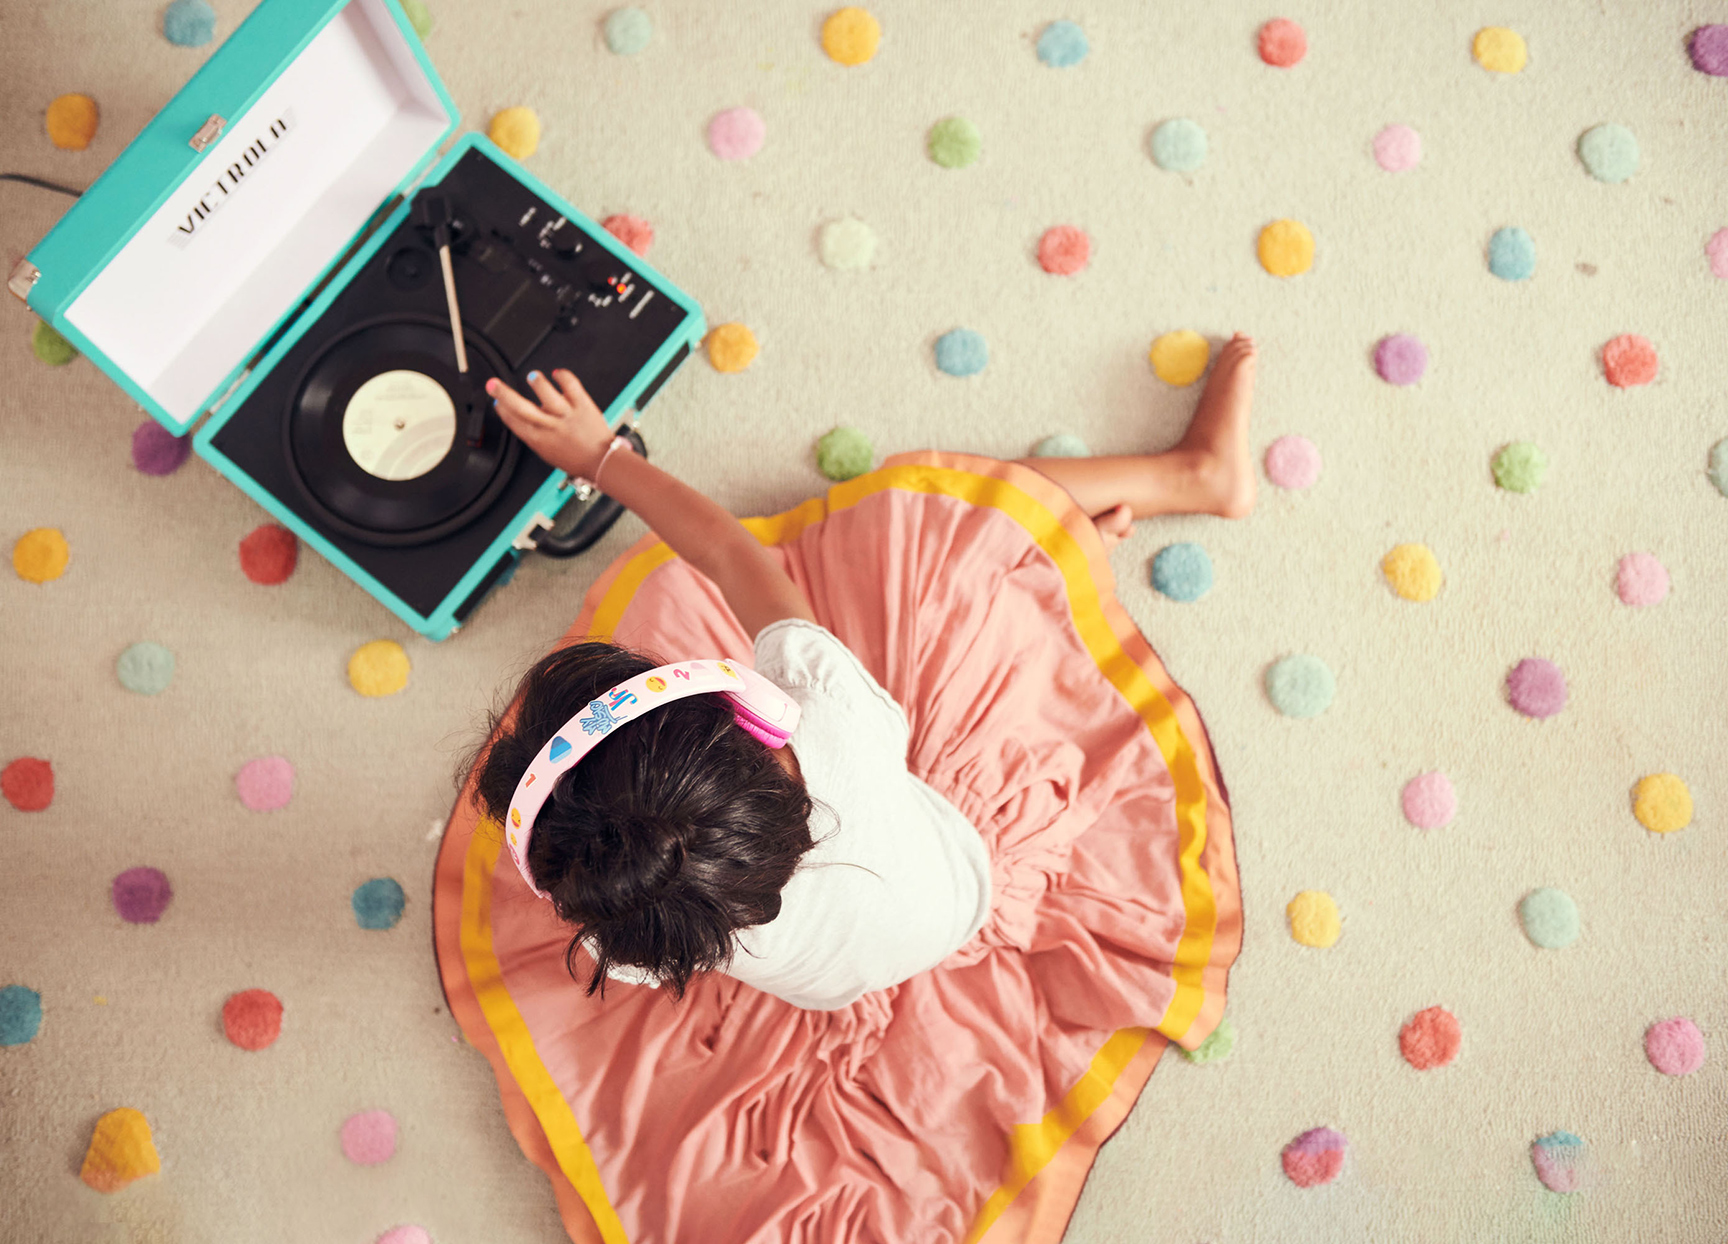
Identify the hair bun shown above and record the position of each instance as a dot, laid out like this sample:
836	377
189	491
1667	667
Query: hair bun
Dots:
623	869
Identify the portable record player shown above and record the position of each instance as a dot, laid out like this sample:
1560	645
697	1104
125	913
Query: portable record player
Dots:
273	251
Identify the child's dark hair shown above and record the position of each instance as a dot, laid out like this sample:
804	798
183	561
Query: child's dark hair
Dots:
678	829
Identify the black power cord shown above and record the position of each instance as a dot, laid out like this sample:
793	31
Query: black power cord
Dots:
37	181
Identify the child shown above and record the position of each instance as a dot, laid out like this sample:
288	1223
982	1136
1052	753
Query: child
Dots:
993	844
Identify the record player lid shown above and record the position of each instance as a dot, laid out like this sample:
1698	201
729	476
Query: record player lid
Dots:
175	266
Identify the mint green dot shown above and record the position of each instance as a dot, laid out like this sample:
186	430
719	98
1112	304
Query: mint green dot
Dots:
1550	918
146	668
1719	466
628	31
378	903
1300	686
1179	146
1061	445
955	142
1520	467
844	453
50	346
1610	152
1217	1045
419	16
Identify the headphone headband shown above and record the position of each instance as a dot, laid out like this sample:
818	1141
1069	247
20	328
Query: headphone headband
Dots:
760	707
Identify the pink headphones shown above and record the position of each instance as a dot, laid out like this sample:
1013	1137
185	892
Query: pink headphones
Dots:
758	705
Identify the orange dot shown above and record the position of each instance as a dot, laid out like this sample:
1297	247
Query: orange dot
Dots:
1430	1039
1282	43
1629	360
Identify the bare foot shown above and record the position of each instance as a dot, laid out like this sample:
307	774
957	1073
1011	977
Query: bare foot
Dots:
1218	435
1114	525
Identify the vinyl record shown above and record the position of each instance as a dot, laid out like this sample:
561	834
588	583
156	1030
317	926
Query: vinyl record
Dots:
376	432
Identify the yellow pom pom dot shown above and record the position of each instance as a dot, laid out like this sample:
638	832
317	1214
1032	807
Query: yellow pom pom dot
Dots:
1180	357
851	35
731	347
1286	248
71	122
1499	49
517	130
1314	918
121	1150
1413	571
1662	803
379	668
41	555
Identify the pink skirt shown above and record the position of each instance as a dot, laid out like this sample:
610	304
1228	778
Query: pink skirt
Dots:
968	1103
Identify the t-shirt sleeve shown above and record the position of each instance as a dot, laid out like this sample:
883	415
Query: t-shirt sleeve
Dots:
797	655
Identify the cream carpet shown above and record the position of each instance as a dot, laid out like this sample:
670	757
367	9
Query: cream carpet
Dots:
1552	1039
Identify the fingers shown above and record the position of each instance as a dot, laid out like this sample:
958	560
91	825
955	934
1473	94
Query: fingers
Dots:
572	388
514	407
548	393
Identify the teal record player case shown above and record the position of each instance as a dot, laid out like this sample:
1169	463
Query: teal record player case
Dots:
256	254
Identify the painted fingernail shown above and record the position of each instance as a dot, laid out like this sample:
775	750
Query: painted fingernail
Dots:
533	375
492	385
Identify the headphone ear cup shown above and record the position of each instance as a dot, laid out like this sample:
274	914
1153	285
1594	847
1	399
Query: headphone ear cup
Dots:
771	733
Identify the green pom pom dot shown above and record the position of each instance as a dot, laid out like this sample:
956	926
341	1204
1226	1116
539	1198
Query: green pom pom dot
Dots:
628	31
1550	918
844	453
146	668
1520	467
1610	152
378	903
1061	445
419	16
954	142
1719	466
50	346
1179	146
1300	686
1217	1045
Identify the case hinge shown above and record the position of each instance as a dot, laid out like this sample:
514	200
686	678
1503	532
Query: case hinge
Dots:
23	279
207	133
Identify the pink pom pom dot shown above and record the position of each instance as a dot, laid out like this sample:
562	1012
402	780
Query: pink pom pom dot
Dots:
736	134
1282	43
406	1234
1536	687
369	1138
265	784
634	232
1315	1157
1716	250
1397	148
1293	462
1064	250
1429	801
1674	1047
1400	359
156	450
1641	579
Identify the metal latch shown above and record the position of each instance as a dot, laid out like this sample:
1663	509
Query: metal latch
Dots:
207	133
23	279
526	539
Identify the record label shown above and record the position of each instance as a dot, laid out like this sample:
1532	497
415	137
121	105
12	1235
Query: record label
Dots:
399	425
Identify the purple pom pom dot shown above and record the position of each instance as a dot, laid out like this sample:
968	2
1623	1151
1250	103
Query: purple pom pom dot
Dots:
156	450
1536	687
1400	359
141	895
1710	50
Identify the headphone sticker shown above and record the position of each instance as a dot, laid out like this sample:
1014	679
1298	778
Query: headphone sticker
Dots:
656	683
601	721
725	669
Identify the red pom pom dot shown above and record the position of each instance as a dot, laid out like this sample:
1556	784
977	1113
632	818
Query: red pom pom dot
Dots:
1064	250
252	1018
1430	1039
268	554
1629	360
633	231
28	784
1282	43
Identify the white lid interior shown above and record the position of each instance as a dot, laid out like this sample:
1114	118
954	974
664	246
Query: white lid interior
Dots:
177	312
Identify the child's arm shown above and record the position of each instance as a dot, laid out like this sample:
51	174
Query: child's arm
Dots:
568	431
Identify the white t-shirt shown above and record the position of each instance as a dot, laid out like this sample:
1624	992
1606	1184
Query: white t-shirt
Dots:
898	879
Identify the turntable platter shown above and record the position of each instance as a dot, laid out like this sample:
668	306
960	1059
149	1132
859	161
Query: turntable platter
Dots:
373	432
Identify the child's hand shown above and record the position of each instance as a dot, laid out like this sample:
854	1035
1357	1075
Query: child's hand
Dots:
566	429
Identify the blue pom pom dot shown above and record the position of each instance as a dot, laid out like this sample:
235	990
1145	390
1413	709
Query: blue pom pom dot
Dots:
1182	571
378	903
20	1014
189	23
1062	44
1512	254
961	352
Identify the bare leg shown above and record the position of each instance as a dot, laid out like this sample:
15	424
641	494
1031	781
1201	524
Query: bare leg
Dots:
1209	471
